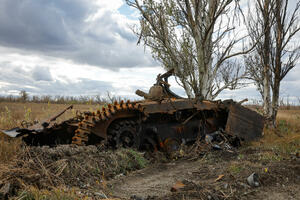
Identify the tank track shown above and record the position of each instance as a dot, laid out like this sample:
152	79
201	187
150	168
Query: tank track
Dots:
91	119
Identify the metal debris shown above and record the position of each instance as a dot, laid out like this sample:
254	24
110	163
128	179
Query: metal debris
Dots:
253	180
179	185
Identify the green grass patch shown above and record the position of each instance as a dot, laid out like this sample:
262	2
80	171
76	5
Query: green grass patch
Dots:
235	169
33	193
126	160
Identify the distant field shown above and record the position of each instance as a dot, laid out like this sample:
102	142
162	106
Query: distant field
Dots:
12	114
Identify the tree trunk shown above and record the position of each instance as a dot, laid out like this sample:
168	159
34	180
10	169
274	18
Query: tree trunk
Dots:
267	93
266	63
277	70
275	100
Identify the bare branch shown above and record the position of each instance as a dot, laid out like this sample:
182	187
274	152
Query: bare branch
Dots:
189	35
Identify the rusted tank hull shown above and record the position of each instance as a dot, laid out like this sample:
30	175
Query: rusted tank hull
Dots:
149	124
152	124
163	120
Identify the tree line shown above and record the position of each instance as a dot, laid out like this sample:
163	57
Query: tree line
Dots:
59	99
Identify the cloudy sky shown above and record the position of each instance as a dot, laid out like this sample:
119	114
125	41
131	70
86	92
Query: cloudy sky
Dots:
83	47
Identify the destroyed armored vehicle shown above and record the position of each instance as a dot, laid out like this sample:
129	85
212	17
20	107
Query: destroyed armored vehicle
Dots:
162	120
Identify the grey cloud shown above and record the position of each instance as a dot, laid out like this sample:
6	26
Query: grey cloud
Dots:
83	87
179	91
31	25
41	83
41	74
18	76
113	56
293	75
59	28
247	92
14	75
290	88
125	34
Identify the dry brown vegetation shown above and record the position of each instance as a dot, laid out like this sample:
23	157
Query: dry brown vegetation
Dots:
42	176
286	137
13	113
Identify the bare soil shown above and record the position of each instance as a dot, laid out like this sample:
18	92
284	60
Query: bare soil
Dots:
279	179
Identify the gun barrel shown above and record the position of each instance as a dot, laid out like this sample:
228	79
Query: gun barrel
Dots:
141	94
167	74
59	114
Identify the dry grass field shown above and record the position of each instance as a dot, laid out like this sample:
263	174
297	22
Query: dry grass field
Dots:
273	151
286	137
12	114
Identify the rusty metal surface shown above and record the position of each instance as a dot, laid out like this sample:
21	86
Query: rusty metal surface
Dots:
167	106
244	123
99	122
172	105
161	89
100	129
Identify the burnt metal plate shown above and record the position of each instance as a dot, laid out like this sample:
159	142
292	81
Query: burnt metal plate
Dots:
244	123
12	132
172	105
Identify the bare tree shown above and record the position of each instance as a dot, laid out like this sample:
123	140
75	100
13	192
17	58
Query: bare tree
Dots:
284	57
274	56
23	96
196	38
259	62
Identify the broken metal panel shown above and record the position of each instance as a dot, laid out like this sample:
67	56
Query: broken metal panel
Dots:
12	132
167	106
244	123
172	105
209	105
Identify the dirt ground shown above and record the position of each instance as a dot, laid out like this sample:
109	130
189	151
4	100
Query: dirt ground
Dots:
93	173
279	179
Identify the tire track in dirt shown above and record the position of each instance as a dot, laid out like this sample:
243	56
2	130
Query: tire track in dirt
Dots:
153	181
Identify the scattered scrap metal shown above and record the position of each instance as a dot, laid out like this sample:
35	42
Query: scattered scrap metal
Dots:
162	121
